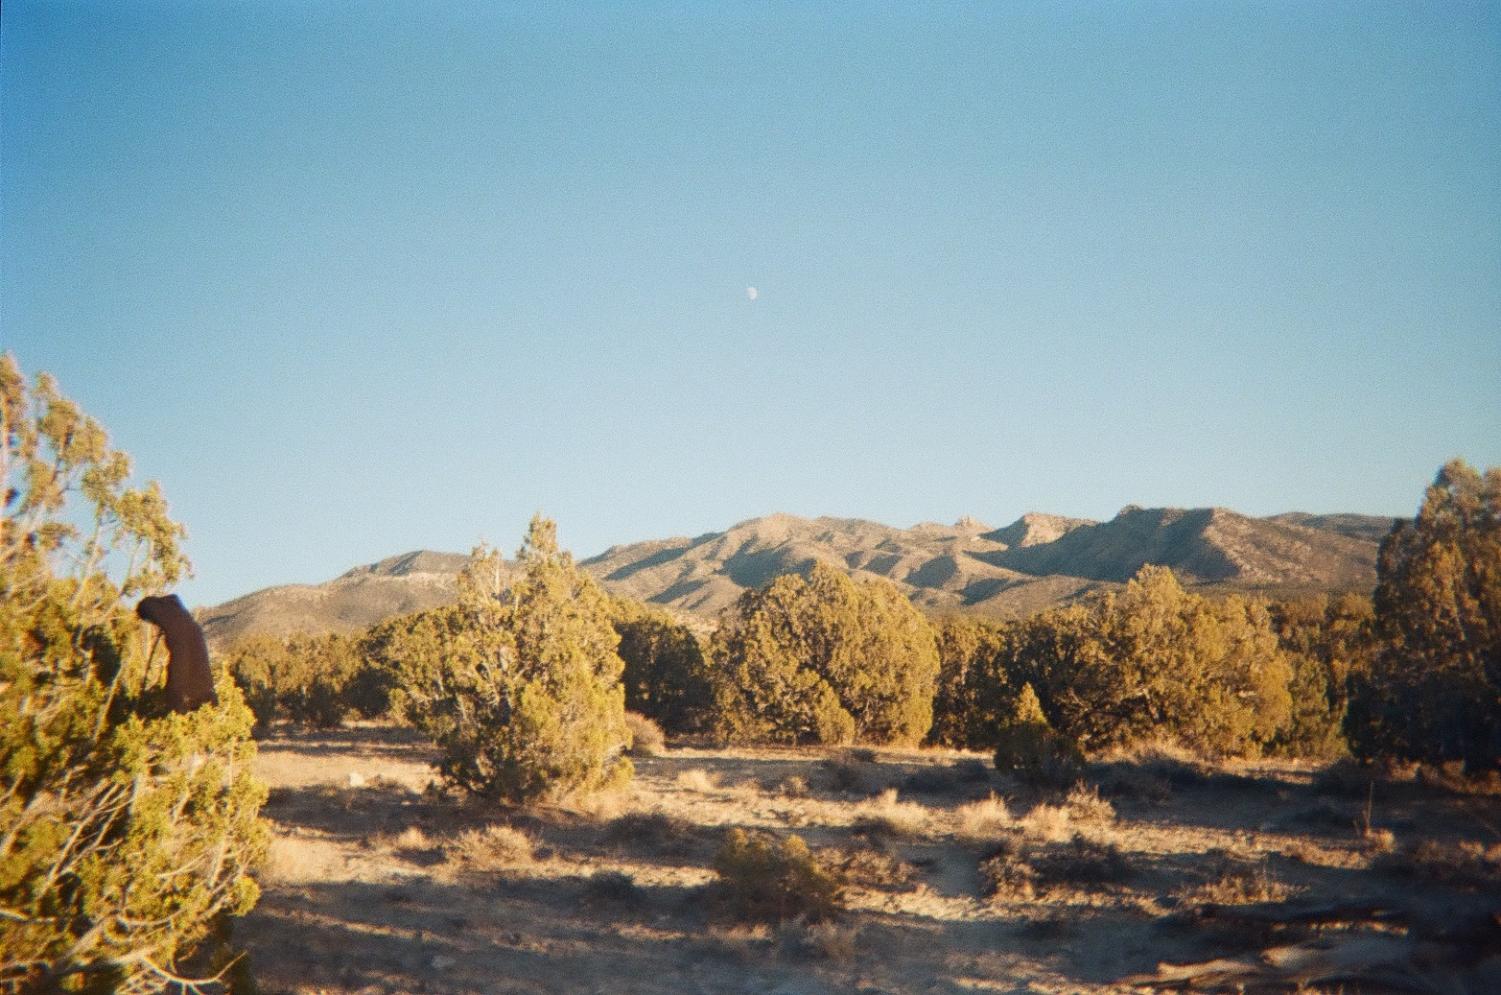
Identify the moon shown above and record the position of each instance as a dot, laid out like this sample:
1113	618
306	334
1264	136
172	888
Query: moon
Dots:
751	293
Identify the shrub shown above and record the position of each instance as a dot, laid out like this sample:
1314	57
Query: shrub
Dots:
127	832
766	879
1156	660
520	685
305	678
646	736
1027	746
824	660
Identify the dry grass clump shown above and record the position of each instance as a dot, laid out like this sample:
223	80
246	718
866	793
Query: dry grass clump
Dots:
884	814
1049	823
874	868
1451	777
1007	875
656	833
492	848
1238	882
793	786
1086	808
763	878
844	775
412	844
825	940
697	779
982	819
612	888
1016	871
1465	863
647	738
1083	862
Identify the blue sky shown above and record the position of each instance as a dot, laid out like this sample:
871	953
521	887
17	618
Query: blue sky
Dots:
352	279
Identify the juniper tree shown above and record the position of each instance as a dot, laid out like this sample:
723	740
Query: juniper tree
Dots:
127	831
1434	690
519	684
825	659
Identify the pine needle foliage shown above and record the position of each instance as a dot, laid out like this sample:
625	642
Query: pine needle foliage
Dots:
127	833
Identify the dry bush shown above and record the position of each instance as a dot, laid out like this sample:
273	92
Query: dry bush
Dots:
793	786
1238	882
1006	874
1049	823
1086	807
824	940
612	888
652	832
1465	863
885	814
647	738
697	779
982	819
1016	871
412	844
492	848
844	776
763	878
875	868
1083	862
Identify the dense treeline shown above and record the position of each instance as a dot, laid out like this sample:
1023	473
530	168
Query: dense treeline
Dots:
823	658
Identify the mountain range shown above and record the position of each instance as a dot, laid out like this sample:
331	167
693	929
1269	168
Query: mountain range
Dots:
1035	562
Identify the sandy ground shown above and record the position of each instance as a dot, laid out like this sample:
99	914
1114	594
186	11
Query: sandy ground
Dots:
377	885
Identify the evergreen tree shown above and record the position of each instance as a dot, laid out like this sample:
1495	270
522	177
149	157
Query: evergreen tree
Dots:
666	677
520	685
127	831
1434	691
825	659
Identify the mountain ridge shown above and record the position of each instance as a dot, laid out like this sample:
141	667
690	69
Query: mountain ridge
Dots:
1035	562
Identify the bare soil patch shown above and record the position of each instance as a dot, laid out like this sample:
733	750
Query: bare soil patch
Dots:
958	879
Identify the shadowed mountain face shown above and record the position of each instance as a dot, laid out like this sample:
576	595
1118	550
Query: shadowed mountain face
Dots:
1035	562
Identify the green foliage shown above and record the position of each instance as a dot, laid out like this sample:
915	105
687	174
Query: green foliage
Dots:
974	692
1328	640
666	677
1434	688
1028	746
126	832
519	686
1156	661
766	879
825	660
306	678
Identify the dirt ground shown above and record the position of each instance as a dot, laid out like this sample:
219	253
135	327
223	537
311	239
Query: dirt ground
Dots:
961	879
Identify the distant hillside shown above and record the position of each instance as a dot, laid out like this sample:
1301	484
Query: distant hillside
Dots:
351	602
1035	562
1203	545
1370	527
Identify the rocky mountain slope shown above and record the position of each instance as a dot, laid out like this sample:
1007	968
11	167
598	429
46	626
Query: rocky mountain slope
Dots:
1033	563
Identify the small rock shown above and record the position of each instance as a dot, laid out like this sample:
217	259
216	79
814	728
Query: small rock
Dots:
356	780
442	962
